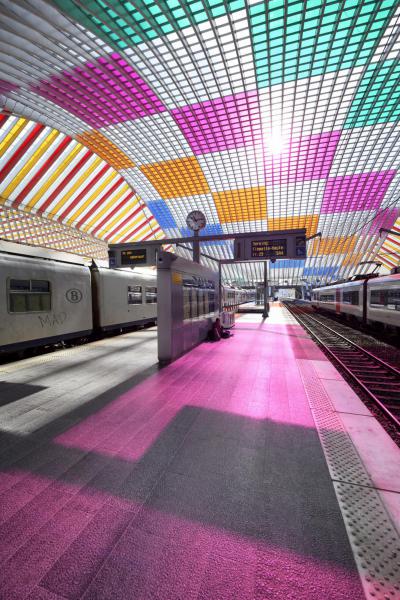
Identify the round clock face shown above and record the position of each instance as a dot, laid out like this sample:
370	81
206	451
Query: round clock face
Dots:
196	220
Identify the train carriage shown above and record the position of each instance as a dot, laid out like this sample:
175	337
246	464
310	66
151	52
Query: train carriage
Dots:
384	300
124	297
372	301
49	296
42	301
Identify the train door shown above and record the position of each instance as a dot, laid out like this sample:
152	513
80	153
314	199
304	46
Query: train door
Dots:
337	301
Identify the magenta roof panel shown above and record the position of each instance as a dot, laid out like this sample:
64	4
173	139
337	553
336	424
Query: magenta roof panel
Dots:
7	86
361	191
221	124
104	92
309	157
386	218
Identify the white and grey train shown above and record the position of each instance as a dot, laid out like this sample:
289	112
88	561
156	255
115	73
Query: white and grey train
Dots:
373	301
48	296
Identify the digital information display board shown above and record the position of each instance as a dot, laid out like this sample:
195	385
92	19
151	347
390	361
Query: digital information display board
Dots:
122	256
268	248
275	245
137	256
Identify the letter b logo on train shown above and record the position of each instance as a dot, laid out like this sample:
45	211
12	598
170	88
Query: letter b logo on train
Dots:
74	296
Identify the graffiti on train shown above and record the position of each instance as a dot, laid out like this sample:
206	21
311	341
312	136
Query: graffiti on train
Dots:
53	319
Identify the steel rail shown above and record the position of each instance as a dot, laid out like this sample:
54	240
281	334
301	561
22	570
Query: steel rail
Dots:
301	317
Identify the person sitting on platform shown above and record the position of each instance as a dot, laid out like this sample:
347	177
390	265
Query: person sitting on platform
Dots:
223	333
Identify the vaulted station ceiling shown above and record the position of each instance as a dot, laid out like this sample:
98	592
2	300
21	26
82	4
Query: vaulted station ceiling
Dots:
120	117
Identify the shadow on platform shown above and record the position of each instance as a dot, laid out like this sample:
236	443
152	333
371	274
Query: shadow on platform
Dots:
11	392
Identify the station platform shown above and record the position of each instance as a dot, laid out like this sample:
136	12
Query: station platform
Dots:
248	470
250	307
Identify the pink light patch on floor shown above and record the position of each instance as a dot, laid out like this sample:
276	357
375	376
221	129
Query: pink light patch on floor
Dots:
131	424
206	481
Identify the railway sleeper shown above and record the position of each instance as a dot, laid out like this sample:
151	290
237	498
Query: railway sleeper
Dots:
367	367
391	393
393	396
384	379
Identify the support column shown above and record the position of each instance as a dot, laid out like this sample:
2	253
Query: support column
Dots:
196	247
220	285
266	303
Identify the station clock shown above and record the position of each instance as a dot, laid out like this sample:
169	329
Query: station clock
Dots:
196	220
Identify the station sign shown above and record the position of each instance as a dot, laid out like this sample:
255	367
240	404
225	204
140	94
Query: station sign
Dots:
136	256
129	256
275	245
269	248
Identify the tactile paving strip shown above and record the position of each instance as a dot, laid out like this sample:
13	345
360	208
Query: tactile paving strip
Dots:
374	539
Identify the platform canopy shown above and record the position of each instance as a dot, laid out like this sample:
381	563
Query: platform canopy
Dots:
119	117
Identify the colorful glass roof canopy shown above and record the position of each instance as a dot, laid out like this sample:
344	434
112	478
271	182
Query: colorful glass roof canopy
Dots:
263	115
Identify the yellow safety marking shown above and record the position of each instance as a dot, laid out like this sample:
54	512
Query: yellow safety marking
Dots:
98	190
176	277
14	133
54	176
36	156
85	176
117	195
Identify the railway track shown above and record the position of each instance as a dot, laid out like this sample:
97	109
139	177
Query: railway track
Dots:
379	380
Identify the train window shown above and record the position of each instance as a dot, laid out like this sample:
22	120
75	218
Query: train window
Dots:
211	301
385	298
37	285
377	297
200	302
29	295
151	295
198	297
351	298
135	294
393	301
19	285
327	298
